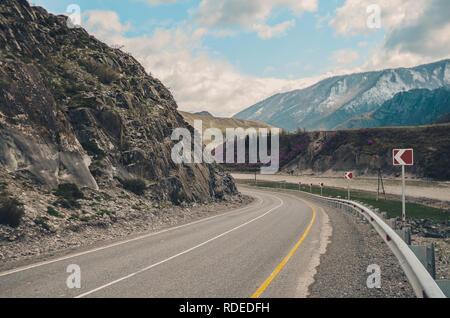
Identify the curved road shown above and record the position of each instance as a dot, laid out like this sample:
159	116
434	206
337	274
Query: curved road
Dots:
267	249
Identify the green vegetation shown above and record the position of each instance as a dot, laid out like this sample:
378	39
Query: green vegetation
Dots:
105	74
5	84
74	217
42	221
11	211
69	191
86	218
68	194
93	150
393	208
67	203
106	212
53	212
137	186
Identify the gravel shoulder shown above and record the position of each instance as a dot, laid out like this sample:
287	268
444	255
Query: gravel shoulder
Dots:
354	246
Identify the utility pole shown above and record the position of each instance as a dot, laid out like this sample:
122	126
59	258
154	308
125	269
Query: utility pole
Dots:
380	182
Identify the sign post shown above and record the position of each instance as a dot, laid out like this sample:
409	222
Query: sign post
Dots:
321	189
310	187
403	157
348	176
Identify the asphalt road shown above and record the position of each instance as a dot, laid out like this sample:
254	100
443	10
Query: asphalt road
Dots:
266	249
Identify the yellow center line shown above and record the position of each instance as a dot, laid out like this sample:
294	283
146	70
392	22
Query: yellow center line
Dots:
286	259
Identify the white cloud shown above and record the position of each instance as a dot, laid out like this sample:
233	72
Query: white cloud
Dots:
198	82
104	21
352	17
266	32
345	57
417	32
249	14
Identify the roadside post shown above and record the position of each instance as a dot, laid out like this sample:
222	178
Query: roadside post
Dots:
321	189
299	186
403	157
310	187
348	176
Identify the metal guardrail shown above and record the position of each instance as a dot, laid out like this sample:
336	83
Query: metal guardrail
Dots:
420	279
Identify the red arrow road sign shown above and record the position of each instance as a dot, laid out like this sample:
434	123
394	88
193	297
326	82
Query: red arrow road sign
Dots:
403	157
349	175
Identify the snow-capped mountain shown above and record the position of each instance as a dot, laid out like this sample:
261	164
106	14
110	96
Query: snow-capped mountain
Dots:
334	102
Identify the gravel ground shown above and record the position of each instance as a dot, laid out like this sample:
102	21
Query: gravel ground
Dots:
354	246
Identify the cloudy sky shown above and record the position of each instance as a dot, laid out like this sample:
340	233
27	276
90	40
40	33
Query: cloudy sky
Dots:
225	55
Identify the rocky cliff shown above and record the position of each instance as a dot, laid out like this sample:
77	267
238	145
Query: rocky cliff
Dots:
73	110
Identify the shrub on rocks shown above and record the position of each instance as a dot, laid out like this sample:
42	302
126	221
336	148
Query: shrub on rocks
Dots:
11	211
137	186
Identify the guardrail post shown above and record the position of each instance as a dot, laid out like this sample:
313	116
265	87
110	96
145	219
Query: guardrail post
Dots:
444	285
425	254
405	234
392	223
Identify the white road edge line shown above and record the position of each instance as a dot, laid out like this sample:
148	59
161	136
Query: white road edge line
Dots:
182	253
24	268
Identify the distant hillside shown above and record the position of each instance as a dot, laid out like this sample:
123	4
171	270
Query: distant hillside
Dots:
413	108
364	151
205	113
222	123
442	119
334	103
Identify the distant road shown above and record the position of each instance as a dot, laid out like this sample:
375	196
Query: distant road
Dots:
415	188
265	249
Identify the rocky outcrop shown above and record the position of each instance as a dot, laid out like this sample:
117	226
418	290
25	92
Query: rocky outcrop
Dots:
74	110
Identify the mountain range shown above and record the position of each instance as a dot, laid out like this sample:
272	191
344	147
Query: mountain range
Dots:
392	97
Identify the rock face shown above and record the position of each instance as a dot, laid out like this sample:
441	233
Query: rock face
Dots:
74	110
332	103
